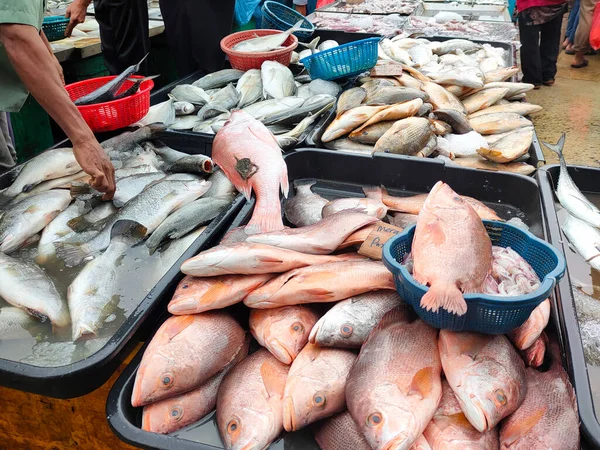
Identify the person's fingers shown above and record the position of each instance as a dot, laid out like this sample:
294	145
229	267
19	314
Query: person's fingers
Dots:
72	24
109	172
99	182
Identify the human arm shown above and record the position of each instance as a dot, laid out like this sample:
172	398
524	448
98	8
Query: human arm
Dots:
76	12
57	65
35	67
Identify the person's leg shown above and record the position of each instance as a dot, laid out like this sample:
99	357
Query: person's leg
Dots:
8	156
550	48
530	53
582	35
572	24
178	32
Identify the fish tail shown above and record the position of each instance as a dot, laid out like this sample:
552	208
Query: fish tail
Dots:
312	45
446	296
79	224
72	254
374	192
558	147
266	217
128	231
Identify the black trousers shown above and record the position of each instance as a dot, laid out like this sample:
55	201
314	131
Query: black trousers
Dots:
540	45
194	31
123	32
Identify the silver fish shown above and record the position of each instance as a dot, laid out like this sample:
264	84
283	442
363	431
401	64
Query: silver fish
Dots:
305	207
267	108
277	79
124	173
192	164
221	102
317	104
183	108
250	88
453	45
220	185
129	140
190	93
389	95
128	188
26	286
218	79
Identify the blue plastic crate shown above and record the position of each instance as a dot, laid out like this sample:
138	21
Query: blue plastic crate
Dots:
343	61
276	16
487	314
54	27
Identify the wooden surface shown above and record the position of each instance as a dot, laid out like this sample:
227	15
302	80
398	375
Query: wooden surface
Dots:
32	422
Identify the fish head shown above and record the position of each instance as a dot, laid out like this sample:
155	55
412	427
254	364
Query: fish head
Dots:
238	118
442	196
246	429
387	420
337	329
154	380
289	334
164	416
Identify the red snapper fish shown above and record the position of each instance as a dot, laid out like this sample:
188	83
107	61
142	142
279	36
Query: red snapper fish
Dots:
250	157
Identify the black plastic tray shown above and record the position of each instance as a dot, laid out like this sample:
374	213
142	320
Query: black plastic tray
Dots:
343	174
586	179
84	376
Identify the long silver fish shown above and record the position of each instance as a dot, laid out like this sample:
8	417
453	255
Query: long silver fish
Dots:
266	43
218	79
26	286
221	102
569	195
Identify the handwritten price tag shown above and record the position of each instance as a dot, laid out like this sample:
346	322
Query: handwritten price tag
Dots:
373	245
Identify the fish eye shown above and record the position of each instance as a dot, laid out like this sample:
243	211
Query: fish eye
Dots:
374	419
319	400
346	330
232	426
167	380
297	327
457	198
185	286
177	413
500	396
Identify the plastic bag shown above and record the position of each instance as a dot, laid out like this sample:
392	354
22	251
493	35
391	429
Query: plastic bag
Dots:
595	31
244	9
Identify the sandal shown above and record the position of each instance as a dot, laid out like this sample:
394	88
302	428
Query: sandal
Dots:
580	66
570	52
550	82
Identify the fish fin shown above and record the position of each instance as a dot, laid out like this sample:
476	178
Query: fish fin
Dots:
318	292
312	45
558	147
284	183
274	383
373	192
422	382
83	191
455	420
128	231
79	224
269	259
52	215
176	325
513	431
297	26
446	296
71	253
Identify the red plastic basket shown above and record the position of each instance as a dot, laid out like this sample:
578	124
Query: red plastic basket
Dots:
247	61
116	114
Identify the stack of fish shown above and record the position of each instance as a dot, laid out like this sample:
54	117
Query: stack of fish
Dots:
288	105
450	100
161	194
366	373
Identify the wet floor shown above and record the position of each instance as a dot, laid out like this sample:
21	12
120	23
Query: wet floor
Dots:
571	105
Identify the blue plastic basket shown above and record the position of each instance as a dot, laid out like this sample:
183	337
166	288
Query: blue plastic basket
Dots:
54	27
343	61
489	314
277	16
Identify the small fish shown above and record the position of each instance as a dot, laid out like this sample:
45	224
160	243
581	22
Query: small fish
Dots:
340	432
195	295
305	207
420	54
469	360
58	183
250	88
30	216
278	80
171	414
500	74
350	321
371	134
267	109
407	136
321	238
350	99
371	205
266	43
441	259
323	283
454	45
96	218
92	296
509	148
513	88
522	108
191	94
220	103
466	76
349	121
219	79
250	402
449	427
483	99
283	331
389	95
133	88
548	416
498	123
569	195
394	387
247	258
395	112
26	286
185	352
315	386
257	166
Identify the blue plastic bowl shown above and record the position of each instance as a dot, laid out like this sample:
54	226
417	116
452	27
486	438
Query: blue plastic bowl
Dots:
54	27
277	16
489	314
343	61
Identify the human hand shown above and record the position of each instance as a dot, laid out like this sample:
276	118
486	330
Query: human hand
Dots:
93	160
76	12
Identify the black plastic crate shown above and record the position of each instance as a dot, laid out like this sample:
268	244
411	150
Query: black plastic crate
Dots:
86	375
586	178
342	174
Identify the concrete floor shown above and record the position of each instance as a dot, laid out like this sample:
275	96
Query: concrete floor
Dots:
572	105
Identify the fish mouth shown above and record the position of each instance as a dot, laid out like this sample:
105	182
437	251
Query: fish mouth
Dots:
280	352
399	442
183	306
207	166
289	415
476	414
146	422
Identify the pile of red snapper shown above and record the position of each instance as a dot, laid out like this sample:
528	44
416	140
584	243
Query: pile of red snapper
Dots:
365	374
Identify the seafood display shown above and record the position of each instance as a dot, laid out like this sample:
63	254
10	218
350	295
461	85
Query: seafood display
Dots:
372	7
384	25
460	28
339	353
66	256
